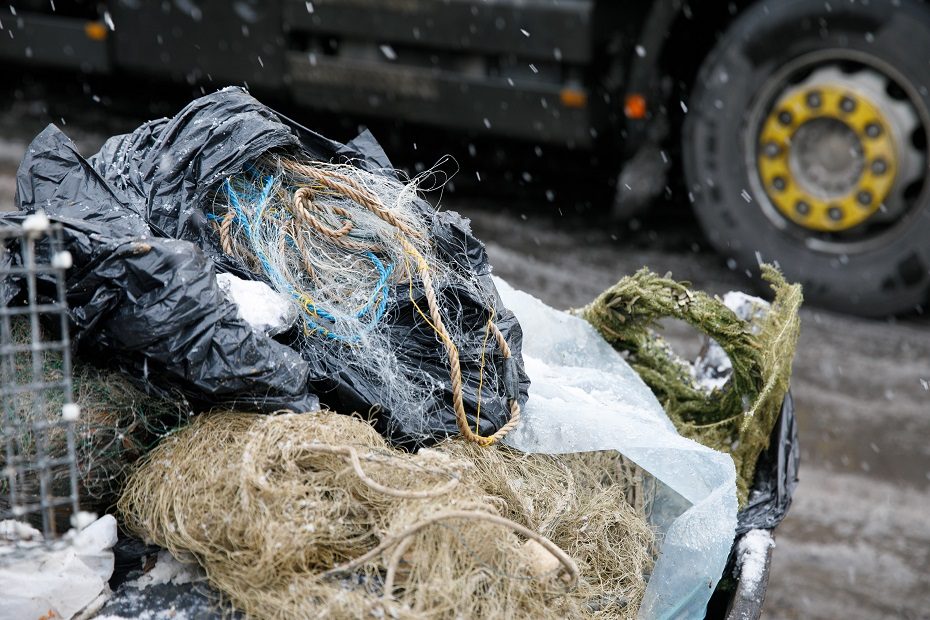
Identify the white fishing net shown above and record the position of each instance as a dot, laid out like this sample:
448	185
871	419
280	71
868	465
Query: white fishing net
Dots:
355	253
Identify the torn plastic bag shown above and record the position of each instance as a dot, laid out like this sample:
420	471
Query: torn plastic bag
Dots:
56	579
143	293
586	398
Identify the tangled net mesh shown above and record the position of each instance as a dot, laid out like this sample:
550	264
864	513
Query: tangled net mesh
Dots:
118	424
739	417
341	243
315	511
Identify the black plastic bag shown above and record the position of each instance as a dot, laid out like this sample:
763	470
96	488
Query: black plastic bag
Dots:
776	476
143	293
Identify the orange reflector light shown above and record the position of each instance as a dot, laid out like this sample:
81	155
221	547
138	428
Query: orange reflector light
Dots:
573	98
635	106
95	31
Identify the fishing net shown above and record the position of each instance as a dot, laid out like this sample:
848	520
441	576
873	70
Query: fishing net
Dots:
315	511
739	417
118	424
406	325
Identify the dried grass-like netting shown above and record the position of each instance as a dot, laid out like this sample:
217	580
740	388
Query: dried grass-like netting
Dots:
314	513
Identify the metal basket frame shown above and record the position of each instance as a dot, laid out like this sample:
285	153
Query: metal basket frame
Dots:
32	261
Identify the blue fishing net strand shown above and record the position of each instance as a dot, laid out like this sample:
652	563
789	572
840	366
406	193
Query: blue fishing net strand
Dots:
378	300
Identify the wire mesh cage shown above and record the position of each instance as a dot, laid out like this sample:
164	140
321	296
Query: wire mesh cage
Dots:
39	481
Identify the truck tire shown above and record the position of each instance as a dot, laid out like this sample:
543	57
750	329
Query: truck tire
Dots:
806	144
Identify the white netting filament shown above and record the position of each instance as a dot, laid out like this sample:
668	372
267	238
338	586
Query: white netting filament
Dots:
340	242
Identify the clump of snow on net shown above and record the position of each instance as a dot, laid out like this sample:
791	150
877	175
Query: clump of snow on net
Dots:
345	275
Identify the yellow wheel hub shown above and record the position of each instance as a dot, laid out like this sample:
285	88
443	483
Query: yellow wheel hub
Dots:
826	157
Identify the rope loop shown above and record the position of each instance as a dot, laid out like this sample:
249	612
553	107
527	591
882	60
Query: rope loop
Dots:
309	214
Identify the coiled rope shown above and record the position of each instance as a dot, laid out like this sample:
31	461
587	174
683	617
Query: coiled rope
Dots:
306	213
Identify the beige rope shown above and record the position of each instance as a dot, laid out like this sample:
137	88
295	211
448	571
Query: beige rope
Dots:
393	564
225	236
293	230
564	559
303	205
443	489
350	188
455	366
335	181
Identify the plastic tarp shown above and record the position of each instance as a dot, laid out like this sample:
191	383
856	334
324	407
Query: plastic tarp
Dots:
143	294
56	579
586	398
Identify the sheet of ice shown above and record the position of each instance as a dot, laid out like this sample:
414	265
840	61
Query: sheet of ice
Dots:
262	307
59	580
584	397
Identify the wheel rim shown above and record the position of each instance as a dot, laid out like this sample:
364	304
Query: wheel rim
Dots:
831	151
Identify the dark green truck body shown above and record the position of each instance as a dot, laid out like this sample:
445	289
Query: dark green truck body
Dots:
547	71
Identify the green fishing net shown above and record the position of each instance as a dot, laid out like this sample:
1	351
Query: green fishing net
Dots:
739	417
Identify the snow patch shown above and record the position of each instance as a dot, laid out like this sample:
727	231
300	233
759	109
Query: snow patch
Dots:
17	531
259	305
168	570
36	223
71	412
753	549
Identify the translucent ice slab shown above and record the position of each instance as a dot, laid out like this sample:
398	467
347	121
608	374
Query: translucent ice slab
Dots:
584	397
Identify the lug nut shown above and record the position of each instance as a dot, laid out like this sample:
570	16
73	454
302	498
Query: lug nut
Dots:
802	207
864	198
835	214
873	130
779	183
771	150
879	167
814	100
847	104
784	117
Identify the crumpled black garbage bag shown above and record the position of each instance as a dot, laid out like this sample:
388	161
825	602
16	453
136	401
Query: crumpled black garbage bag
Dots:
143	295
776	476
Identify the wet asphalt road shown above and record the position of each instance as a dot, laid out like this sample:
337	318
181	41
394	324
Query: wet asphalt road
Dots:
856	543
